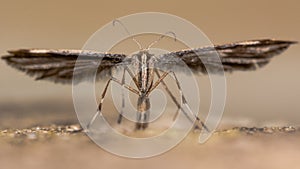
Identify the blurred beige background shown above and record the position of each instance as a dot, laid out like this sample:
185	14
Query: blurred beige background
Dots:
270	95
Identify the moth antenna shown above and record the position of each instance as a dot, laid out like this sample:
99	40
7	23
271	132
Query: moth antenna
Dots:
161	37
124	27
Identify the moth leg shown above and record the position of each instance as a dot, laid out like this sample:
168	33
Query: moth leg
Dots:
98	112
132	76
143	105
179	107
184	102
160	78
125	85
123	99
143	113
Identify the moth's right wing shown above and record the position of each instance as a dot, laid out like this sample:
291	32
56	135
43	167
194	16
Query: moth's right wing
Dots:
58	65
238	56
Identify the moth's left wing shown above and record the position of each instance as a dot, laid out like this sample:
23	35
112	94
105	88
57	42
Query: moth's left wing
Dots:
58	65
244	55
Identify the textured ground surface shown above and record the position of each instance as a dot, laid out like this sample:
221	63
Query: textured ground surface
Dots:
68	147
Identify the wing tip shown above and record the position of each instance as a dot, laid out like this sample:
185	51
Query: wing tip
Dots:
279	42
16	51
293	42
289	42
5	57
268	41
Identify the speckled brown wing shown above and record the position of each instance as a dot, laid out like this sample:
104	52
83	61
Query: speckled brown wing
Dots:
58	65
244	56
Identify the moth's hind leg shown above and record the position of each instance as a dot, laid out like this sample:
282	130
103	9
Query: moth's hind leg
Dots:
143	113
98	112
142	120
126	69
184	102
179	106
123	99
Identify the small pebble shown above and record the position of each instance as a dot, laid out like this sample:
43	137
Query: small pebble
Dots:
289	129
32	136
268	130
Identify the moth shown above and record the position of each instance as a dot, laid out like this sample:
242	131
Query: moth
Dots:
58	66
